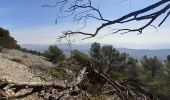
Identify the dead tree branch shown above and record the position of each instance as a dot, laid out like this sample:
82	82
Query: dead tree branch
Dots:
120	88
71	88
84	10
36	87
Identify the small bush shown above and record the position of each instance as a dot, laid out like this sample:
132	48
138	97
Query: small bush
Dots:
56	74
119	75
60	75
16	60
31	51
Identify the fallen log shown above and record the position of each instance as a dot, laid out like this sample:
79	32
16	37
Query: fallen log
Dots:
17	86
25	85
71	88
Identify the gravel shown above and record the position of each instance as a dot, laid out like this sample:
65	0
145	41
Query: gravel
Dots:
17	66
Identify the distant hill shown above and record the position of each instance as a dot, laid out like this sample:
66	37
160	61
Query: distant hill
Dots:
137	53
36	47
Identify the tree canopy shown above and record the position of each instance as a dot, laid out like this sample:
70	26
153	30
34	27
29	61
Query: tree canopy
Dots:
7	41
54	54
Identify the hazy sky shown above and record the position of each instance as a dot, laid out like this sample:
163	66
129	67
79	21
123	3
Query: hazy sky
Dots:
29	23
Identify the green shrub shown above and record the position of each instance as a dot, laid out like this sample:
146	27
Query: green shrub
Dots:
79	57
61	75
18	60
118	75
56	74
6	41
31	51
54	54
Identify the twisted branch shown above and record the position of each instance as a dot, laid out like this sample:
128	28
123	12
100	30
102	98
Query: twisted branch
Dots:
83	10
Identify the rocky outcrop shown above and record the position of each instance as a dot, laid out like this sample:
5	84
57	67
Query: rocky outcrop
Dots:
32	63
17	66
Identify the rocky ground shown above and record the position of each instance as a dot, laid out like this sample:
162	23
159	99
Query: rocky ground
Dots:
17	66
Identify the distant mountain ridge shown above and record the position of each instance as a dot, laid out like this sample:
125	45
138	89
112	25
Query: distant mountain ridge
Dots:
137	53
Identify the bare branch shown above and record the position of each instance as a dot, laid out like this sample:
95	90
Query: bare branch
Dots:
72	33
135	14
164	19
83	10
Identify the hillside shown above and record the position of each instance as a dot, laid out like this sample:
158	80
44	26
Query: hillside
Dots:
24	70
17	66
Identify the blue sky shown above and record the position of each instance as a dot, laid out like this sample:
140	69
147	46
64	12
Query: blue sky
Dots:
30	23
